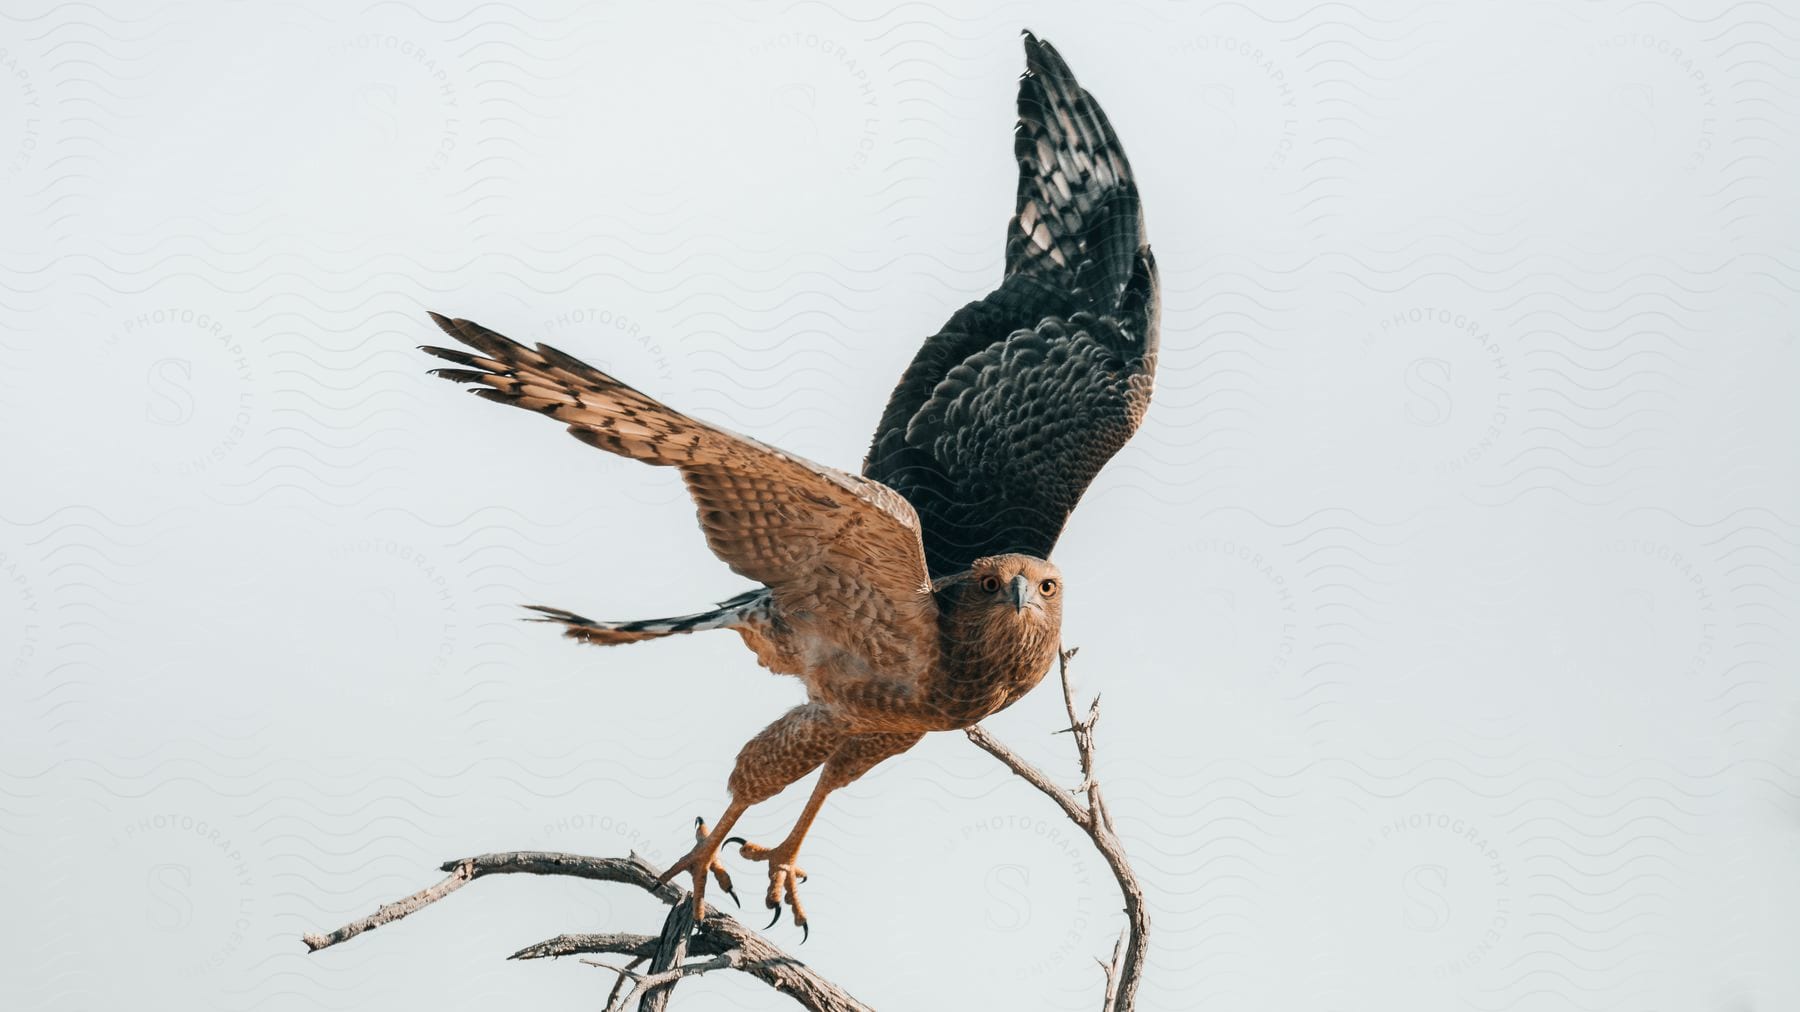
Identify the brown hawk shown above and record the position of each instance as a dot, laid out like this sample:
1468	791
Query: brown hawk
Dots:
916	596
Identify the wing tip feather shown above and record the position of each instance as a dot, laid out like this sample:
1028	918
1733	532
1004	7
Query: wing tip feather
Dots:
458	375
1042	59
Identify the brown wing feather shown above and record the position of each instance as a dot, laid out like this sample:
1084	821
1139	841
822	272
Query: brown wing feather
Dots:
841	553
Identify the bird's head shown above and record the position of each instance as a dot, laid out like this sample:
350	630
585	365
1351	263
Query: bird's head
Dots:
1002	624
1014	589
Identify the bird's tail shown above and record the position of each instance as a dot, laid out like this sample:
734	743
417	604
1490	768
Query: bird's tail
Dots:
1078	210
728	615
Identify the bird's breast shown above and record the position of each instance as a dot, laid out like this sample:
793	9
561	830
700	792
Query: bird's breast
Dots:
982	676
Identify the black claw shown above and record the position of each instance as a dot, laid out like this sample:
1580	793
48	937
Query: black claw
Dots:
740	841
772	920
805	933
802	878
733	894
699	820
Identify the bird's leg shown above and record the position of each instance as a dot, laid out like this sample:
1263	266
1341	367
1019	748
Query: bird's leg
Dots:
704	857
856	756
780	754
716	866
784	875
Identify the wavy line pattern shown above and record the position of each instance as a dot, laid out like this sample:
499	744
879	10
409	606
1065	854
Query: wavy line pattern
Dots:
1443	608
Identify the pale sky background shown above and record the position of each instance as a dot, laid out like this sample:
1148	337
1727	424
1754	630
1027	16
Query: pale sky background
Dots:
1444	608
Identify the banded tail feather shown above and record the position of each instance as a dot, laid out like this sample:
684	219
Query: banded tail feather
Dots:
729	614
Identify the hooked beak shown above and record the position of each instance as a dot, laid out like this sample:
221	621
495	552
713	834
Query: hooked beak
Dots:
1021	593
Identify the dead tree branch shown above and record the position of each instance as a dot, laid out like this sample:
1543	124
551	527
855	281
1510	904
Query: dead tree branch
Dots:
684	948
1086	807
718	934
663	979
665	962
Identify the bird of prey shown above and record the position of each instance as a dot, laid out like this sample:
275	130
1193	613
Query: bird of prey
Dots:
918	595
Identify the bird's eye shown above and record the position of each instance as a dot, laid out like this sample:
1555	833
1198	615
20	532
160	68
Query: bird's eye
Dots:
991	584
1047	588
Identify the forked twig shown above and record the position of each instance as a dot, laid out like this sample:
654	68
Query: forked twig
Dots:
1086	807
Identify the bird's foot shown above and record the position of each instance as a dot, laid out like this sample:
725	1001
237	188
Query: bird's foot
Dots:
700	861
784	878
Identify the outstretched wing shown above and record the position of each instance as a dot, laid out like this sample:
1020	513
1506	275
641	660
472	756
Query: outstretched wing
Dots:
841	553
1007	414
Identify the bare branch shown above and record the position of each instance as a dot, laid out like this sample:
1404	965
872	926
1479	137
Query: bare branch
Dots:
661	979
632	871
1069	803
391	911
1112	969
622	943
1126	969
718	933
731	945
671	949
619	985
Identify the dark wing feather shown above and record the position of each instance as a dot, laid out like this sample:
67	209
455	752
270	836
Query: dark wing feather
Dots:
1006	415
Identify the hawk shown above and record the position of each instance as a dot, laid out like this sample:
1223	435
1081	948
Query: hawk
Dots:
918	595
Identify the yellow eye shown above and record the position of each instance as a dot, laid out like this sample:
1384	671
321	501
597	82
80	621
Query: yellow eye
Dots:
1047	588
991	584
